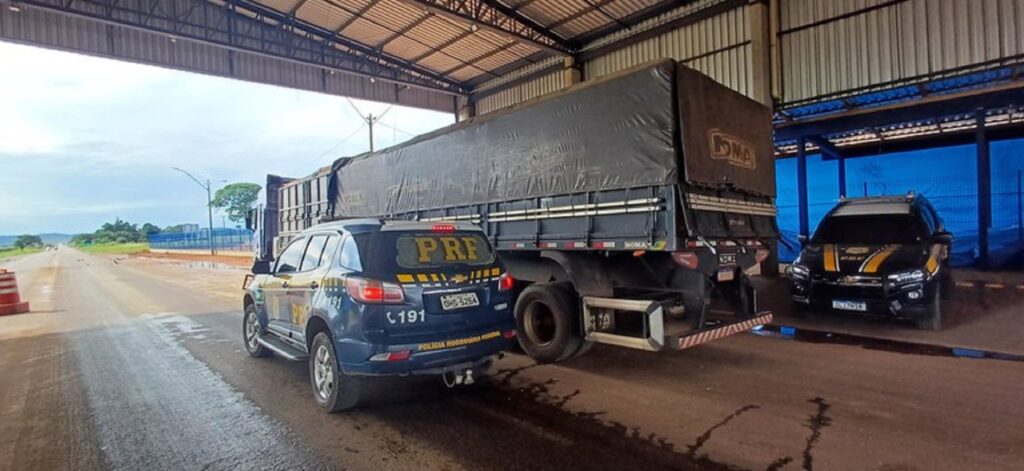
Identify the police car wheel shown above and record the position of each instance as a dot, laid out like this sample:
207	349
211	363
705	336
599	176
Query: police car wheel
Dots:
251	331
333	390
547	319
933	318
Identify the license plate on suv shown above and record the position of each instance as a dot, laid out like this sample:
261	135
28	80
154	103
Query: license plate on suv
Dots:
450	302
849	305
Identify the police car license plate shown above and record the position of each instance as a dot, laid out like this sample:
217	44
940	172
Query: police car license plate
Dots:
459	301
849	305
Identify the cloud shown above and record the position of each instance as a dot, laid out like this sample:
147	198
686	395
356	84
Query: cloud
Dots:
84	139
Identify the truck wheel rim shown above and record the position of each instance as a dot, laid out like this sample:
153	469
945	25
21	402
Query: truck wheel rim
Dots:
323	372
539	324
252	330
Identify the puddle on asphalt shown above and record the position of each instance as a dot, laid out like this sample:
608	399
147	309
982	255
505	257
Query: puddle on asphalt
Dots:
888	345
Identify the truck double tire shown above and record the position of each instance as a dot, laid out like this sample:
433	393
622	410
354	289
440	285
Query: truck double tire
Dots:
547	317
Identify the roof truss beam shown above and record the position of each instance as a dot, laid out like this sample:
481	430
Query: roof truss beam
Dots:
499	18
243	26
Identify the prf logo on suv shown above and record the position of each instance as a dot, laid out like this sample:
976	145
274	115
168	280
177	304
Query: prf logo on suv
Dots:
884	255
364	297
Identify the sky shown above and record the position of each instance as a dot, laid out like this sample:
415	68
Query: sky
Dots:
84	140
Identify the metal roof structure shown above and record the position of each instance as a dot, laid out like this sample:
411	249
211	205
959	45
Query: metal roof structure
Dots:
468	41
446	46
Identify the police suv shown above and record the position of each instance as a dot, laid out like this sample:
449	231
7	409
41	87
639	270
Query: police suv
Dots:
368	297
885	255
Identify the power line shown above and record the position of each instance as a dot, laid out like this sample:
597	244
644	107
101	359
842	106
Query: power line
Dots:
335	146
395	128
369	119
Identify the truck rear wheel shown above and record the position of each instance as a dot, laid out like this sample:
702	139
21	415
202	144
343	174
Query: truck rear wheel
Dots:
548	321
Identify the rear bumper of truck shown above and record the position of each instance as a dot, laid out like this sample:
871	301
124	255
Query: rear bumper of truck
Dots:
657	334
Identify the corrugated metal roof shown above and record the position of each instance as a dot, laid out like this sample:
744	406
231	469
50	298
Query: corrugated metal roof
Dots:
413	31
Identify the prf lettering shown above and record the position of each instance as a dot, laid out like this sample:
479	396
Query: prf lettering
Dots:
455	248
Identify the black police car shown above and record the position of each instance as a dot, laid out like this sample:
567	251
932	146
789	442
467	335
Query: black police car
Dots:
883	255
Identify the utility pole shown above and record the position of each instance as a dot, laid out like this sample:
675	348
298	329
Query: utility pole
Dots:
369	119
369	123
209	203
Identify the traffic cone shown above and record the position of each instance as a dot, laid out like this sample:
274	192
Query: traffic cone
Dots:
10	301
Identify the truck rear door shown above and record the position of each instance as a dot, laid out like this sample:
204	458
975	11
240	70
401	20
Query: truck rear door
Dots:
728	159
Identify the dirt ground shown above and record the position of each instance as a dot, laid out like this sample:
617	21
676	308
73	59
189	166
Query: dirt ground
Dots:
232	260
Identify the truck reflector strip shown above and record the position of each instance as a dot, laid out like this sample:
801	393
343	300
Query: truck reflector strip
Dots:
725	205
724	331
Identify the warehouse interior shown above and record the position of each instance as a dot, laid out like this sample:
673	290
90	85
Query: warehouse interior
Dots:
870	97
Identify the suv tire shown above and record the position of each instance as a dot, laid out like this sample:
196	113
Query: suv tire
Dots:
933	319
547	320
333	390
251	331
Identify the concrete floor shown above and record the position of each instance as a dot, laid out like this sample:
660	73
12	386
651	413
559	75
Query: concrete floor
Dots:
138	364
974	317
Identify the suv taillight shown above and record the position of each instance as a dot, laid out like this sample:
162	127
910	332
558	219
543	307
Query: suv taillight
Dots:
506	282
368	291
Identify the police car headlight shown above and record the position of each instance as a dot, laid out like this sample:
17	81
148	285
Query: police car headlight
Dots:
905	277
798	271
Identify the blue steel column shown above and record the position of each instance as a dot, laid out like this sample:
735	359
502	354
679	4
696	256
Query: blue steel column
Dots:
984	190
842	176
801	182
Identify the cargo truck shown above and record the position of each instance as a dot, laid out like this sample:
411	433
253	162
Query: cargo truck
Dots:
632	209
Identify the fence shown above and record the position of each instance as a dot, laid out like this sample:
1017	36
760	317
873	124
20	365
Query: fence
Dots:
946	176
224	239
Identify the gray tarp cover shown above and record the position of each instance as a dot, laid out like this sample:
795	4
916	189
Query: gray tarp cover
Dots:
611	134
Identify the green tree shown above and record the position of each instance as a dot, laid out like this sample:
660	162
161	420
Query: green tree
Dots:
238	198
25	241
150	229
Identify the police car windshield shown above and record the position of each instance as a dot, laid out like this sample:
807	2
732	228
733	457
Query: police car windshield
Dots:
873	229
387	252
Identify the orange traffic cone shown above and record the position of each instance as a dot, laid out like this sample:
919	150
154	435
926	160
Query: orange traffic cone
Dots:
10	301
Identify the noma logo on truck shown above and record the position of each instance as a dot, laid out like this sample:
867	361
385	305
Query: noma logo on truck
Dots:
735	151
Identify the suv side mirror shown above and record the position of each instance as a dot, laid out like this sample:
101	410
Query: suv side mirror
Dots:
262	267
942	237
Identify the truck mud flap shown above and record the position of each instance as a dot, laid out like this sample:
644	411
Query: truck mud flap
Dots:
655	338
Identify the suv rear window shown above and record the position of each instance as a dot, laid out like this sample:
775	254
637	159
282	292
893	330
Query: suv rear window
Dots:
392	251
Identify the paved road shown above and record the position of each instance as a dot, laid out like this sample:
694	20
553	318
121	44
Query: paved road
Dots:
129	364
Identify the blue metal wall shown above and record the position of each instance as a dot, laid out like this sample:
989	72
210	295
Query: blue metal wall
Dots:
223	239
947	176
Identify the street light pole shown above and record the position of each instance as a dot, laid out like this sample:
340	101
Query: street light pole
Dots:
209	203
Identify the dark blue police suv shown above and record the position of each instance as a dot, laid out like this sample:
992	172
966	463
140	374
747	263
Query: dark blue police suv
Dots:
369	297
